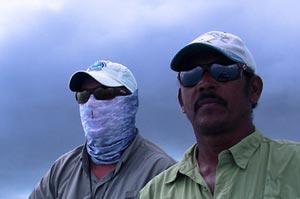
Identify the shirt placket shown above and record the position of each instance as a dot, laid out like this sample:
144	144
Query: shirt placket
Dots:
223	176
99	187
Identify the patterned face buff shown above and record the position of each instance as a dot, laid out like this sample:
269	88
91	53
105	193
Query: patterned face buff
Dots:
109	126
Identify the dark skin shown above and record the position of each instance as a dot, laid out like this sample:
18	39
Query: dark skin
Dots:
99	170
218	126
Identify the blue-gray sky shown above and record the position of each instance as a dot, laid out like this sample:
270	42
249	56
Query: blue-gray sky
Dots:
42	42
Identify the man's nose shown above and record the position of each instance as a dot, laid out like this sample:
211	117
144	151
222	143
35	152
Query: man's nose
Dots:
207	82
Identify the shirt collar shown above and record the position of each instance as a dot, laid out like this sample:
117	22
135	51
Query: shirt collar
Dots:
187	166
241	153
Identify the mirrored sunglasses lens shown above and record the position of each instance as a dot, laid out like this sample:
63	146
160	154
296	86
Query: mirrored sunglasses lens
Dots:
223	73
82	96
191	77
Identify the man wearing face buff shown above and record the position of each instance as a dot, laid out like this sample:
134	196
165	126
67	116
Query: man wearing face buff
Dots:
116	161
231	159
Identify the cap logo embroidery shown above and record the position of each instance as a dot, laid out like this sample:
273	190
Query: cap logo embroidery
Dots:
215	36
98	65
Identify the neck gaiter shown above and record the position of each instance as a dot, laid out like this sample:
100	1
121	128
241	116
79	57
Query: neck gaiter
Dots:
109	126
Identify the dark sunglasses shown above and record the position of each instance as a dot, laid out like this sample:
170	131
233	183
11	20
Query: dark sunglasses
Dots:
221	73
101	93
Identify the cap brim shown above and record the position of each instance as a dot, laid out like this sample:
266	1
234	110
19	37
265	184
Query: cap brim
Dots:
202	50
78	77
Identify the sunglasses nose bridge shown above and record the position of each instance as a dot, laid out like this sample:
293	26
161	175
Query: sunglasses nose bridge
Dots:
206	75
207	81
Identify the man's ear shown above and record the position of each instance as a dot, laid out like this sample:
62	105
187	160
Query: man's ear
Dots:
180	100
256	87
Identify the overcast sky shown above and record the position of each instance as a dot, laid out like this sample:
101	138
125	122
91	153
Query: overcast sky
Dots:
42	42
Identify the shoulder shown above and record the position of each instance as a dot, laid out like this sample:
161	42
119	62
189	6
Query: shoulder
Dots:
70	157
281	150
152	152
282	145
278	147
47	187
276	144
146	160
64	165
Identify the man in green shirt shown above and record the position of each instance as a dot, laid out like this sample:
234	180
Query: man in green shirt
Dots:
219	88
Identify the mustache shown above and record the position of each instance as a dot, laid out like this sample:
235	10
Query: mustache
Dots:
211	96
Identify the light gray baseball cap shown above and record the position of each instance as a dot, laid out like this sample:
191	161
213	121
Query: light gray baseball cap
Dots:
108	73
229	45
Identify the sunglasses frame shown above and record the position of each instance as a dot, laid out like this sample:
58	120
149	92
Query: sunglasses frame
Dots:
101	93
241	67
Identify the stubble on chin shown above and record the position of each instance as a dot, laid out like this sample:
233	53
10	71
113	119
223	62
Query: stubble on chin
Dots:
211	128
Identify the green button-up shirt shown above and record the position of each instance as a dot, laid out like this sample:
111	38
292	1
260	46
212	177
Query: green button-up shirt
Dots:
255	168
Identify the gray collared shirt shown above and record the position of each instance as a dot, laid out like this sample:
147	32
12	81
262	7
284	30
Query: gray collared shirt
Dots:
70	176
